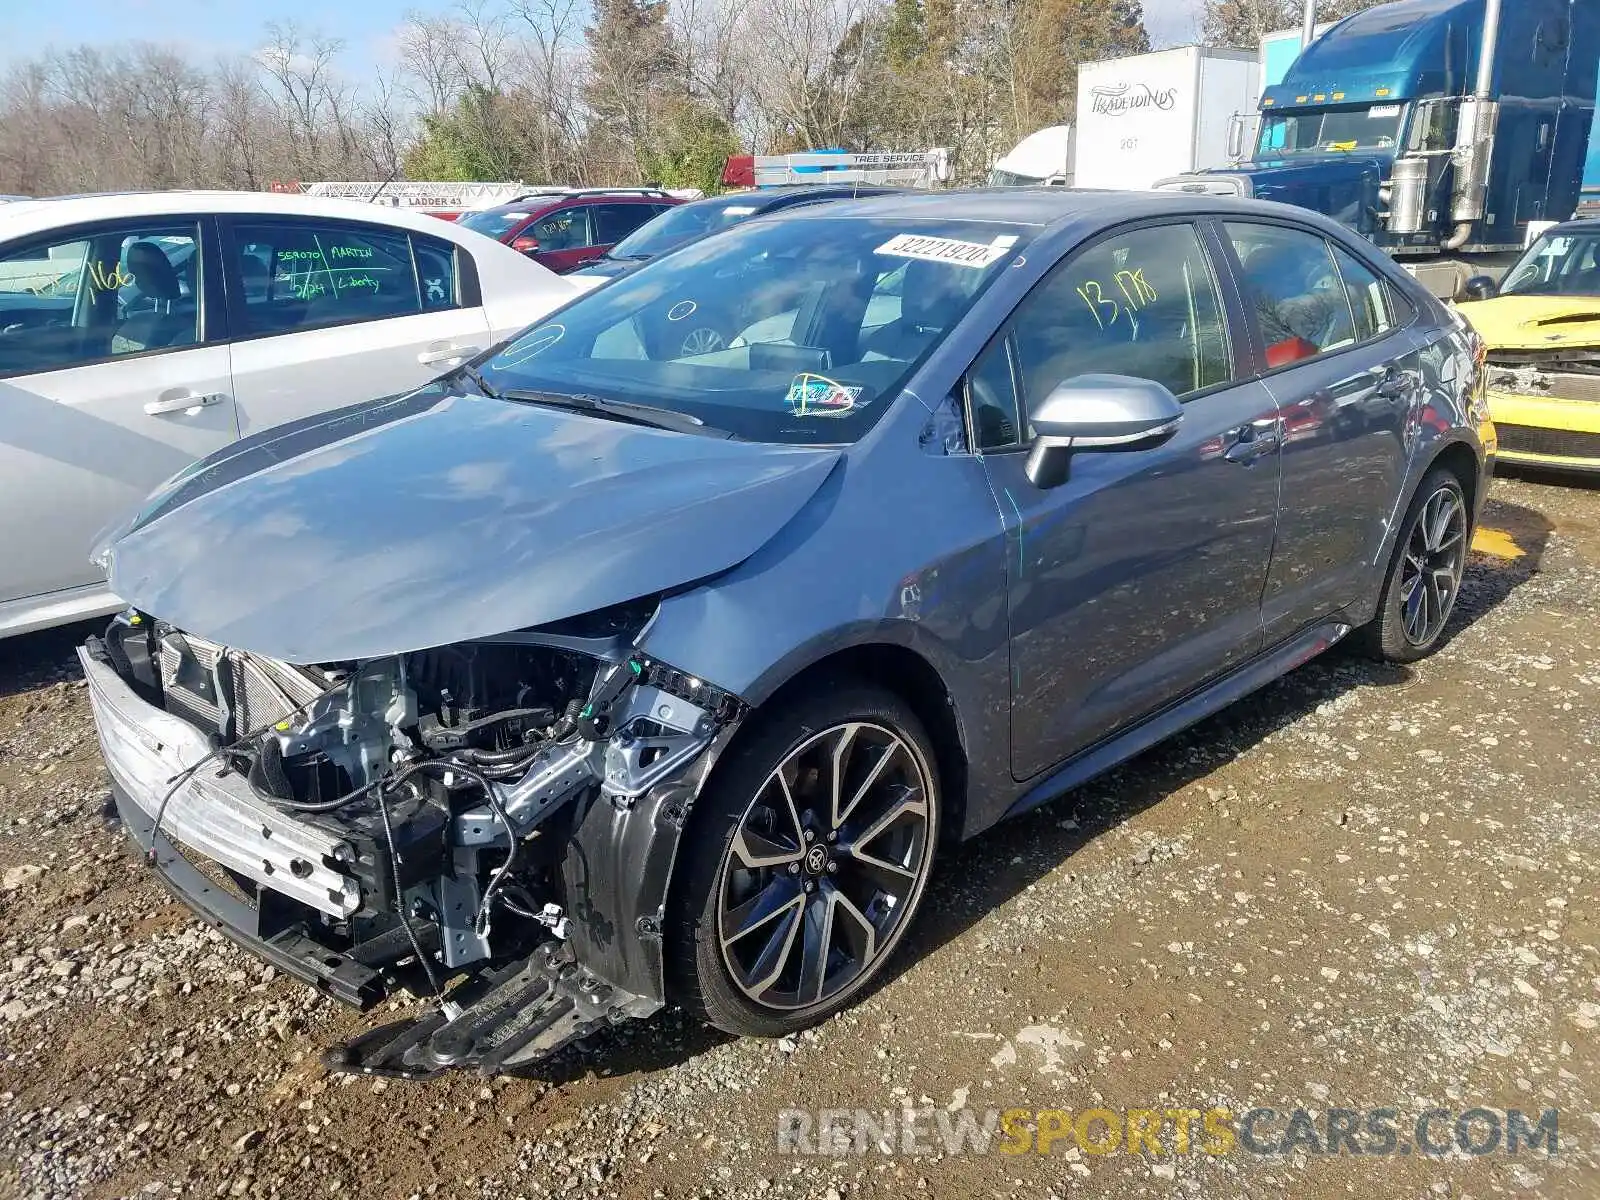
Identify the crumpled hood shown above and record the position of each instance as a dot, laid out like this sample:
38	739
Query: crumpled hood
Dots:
434	518
1536	322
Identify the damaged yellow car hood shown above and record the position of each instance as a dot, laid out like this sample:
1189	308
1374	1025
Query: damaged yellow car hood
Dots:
1535	322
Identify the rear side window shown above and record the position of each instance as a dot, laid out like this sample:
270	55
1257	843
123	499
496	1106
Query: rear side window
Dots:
1143	304
1302	300
613	222
300	275
1369	296
436	272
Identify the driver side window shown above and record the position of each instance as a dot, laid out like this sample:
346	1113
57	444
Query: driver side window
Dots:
564	229
1143	304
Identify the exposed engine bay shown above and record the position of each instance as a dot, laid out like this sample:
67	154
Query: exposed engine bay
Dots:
474	807
1571	373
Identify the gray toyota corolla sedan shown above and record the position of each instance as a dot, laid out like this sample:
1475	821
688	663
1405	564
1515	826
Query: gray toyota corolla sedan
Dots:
586	680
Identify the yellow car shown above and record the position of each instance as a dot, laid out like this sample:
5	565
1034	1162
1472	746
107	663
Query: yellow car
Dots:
1542	330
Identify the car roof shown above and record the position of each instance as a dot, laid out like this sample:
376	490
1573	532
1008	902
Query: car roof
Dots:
1049	206
767	198
537	201
1577	225
33	216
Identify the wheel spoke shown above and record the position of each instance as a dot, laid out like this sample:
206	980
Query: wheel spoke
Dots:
778	846
817	942
755	850
1441	522
766	968
889	754
1444	586
1412	601
771	901
864	942
838	759
910	802
878	874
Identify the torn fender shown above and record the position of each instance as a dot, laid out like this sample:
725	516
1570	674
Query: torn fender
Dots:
619	864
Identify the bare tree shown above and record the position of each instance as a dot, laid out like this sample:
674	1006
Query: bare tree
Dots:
430	63
299	81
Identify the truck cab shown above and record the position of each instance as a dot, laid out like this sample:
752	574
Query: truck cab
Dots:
1432	127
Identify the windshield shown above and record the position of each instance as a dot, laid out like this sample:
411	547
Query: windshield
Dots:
684	223
494	222
1558	264
1330	130
776	331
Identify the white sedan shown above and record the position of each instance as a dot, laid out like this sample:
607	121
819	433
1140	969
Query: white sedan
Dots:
140	332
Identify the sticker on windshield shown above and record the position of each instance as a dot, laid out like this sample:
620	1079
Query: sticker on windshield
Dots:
944	250
682	309
819	396
1381	111
535	344
739	210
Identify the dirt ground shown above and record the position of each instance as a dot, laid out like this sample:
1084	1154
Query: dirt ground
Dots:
1362	888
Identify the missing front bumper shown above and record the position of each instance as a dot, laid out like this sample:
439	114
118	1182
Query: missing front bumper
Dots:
618	860
341	976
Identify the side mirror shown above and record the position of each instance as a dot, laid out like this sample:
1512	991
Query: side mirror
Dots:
525	244
1480	287
1098	412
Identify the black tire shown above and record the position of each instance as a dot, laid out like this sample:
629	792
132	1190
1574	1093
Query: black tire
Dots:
710	871
1393	633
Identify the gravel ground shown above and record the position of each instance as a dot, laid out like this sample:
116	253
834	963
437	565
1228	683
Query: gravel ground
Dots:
1362	888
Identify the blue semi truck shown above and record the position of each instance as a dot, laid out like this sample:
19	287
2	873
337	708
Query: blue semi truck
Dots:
1439	129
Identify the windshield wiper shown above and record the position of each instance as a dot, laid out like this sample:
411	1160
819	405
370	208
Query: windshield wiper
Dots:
475	377
621	410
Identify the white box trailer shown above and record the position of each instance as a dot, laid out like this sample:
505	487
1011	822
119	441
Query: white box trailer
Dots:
1148	116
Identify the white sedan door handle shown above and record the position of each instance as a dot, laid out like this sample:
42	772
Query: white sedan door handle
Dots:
428	357
188	403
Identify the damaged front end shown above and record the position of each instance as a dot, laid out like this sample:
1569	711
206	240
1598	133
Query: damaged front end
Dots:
501	815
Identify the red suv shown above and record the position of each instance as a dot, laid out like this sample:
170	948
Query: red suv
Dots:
562	228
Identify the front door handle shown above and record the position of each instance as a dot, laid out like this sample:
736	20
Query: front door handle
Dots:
428	357
187	402
1251	441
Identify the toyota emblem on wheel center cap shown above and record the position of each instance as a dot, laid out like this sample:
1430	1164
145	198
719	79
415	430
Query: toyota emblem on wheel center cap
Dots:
817	860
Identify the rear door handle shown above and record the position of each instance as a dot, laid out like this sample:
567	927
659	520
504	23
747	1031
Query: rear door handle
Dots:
1252	441
1394	384
428	357
188	403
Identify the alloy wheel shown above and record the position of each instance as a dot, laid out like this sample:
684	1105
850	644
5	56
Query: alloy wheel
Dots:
1435	556
825	866
703	340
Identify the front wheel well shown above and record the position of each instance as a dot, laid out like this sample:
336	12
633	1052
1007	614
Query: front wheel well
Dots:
913	679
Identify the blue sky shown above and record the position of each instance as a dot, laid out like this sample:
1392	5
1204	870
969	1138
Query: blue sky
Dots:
211	27
204	27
